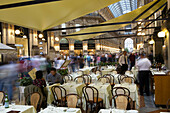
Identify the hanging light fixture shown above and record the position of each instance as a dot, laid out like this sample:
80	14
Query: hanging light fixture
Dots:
151	41
161	34
56	39
17	32
40	35
43	39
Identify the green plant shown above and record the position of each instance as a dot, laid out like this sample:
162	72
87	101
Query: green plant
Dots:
63	71
25	81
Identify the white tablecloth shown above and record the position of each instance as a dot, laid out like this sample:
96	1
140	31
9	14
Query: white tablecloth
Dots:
51	109
133	91
21	108
117	111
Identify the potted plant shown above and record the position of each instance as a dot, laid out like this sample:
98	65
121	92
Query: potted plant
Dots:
63	71
24	81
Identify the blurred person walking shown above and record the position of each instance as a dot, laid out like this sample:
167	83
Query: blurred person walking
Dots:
132	60
103	59
123	62
88	60
81	61
144	72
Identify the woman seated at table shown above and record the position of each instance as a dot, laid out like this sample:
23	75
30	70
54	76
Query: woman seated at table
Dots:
39	81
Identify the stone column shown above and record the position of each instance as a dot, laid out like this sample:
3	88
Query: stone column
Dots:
85	47
34	42
71	46
97	44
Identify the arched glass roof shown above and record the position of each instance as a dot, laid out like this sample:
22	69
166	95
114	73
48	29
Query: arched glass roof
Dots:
123	7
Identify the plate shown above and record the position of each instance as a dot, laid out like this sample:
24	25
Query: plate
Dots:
71	110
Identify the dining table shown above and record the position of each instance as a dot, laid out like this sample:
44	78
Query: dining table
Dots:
71	87
52	109
18	108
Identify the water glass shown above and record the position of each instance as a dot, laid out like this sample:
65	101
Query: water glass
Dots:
13	104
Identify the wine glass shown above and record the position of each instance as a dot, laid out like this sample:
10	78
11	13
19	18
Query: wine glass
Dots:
13	104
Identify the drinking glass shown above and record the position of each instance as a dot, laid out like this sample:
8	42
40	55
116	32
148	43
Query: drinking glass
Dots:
13	104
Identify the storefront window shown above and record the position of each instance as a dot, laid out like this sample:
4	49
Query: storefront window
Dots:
129	44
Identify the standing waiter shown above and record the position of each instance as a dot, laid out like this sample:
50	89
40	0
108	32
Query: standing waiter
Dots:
123	62
144	70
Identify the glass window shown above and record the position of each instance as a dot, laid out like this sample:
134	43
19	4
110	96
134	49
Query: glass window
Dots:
78	29
129	44
63	26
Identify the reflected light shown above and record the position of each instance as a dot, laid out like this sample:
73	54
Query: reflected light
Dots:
164	46
151	41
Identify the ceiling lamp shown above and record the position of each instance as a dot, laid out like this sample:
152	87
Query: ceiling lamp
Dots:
40	35
17	32
139	29
43	39
142	33
151	41
56	39
161	34
139	33
164	46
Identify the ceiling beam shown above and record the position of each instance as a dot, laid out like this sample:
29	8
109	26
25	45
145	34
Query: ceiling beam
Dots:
126	36
27	3
97	25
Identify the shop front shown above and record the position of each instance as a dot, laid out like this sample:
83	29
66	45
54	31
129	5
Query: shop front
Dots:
78	47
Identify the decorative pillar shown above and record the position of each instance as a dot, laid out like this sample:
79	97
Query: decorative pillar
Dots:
34	42
85	47
71	46
97	47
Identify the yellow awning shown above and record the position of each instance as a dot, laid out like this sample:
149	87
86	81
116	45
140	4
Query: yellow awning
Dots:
126	17
47	15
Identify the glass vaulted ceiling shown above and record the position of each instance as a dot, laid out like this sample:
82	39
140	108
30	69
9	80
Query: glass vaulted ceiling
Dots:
123	7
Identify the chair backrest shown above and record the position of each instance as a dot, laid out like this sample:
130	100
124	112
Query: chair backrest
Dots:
58	92
90	93
2	96
99	72
88	78
80	79
120	77
128	72
68	78
111	77
168	105
35	100
104	79
128	79
80	72
114	72
122	101
72	100
120	90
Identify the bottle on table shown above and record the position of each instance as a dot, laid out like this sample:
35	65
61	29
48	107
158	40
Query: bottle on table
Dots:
6	101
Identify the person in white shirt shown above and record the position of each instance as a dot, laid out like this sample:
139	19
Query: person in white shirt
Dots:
123	62
144	65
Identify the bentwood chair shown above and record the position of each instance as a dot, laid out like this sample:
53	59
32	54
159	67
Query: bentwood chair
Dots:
128	72
68	78
58	93
128	79
35	100
168	105
122	102
120	77
92	98
104	79
2	97
120	90
111	77
72	101
88	79
114	72
80	79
